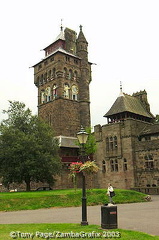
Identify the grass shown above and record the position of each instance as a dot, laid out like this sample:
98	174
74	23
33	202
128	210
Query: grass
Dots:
66	198
42	231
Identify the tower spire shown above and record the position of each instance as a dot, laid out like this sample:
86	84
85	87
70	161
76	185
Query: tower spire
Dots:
61	27
121	90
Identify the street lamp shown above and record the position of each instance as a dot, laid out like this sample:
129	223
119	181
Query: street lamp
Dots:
82	138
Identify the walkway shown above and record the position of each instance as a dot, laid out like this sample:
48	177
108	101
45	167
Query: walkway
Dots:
142	217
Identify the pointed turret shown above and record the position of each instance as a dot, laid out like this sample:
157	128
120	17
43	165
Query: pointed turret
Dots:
82	45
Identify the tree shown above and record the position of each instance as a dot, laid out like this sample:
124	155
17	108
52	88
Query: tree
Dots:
28	149
90	146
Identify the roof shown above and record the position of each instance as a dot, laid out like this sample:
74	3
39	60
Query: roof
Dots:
127	103
57	50
150	129
69	142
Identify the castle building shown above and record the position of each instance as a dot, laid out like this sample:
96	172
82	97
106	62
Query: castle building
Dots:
128	145
63	79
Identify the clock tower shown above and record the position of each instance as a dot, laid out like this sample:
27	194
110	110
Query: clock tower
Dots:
62	78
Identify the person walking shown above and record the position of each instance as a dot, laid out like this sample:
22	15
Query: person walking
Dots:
110	193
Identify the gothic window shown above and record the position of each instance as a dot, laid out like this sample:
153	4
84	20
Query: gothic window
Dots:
115	143
53	73
149	162
70	74
125	166
103	166
37	81
114	165
107	144
75	75
111	143
54	91
65	72
49	75
67	58
42	96
48	94
45	77
41	80
74	92
66	91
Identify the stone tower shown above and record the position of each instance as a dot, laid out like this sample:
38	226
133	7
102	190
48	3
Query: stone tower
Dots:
63	79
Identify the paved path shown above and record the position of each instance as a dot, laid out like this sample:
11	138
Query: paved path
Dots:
142	217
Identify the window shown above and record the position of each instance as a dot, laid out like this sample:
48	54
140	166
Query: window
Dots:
125	167
149	162
67	58
65	72
75	61
41	80
74	92
66	91
111	143
48	94
53	73
107	144
103	166
54	91
42	96
39	66
49	75
115	143
114	165
70	74
75	75
45	77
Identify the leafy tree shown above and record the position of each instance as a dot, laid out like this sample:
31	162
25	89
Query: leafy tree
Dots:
90	146
28	149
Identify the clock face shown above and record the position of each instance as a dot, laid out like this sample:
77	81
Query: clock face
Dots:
74	89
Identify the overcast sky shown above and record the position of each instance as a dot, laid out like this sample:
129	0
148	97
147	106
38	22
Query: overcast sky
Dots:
123	37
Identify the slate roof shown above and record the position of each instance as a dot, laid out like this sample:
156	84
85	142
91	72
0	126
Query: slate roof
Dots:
151	129
127	103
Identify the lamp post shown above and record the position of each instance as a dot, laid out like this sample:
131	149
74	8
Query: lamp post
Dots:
82	138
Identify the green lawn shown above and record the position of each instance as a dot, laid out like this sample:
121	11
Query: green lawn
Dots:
66	198
41	231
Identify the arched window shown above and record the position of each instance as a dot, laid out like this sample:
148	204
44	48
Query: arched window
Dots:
125	166
103	166
111	143
75	75
54	91
53	73
107	144
149	162
74	92
37	81
114	165
65	73
115	143
49	75
66	91
48	94
41	79
42	96
45	77
70	74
